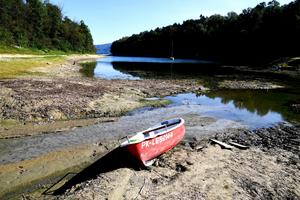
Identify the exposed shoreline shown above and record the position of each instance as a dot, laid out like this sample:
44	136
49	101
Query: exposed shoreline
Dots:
59	93
199	169
60	100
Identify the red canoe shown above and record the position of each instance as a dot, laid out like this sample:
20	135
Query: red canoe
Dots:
148	144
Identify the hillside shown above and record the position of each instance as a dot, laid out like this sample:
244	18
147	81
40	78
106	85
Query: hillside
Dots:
267	31
103	48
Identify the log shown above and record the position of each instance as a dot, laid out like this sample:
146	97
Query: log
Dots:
222	144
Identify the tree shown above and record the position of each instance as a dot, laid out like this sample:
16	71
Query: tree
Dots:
38	24
264	32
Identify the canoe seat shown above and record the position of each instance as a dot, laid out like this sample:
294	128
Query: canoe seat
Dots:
173	121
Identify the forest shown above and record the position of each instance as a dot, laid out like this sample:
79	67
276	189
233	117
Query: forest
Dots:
41	25
265	32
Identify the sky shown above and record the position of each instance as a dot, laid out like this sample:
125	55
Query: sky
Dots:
110	20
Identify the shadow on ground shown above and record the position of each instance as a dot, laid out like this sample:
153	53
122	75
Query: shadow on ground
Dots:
116	159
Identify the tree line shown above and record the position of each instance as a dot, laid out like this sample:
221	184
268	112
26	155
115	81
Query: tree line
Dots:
264	32
40	24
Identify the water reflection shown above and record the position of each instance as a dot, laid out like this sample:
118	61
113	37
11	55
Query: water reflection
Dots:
112	59
107	71
269	106
170	70
219	107
134	68
262	102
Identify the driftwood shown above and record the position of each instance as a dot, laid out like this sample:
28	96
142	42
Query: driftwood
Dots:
240	146
222	144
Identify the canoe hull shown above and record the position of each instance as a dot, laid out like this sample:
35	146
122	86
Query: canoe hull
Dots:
153	147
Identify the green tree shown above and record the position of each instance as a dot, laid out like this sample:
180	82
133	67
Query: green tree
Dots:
40	24
258	34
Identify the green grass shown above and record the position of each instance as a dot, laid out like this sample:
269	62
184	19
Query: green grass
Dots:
11	68
20	50
8	123
33	51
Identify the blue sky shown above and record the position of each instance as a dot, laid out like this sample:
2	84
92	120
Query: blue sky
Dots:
110	20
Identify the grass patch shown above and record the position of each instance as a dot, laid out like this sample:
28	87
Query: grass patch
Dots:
155	103
23	66
20	50
8	123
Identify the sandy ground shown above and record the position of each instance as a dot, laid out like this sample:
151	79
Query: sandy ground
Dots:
58	111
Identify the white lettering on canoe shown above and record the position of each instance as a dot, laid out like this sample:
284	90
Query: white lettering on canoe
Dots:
157	140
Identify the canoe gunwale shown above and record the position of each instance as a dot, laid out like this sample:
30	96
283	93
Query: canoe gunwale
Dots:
128	142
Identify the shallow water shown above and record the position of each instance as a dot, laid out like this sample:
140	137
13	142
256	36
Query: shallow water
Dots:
218	108
112	59
14	150
258	107
128	68
105	70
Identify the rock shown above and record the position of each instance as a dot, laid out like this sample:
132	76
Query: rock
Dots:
189	162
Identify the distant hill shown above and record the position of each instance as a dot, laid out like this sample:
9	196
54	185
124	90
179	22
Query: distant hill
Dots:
103	48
